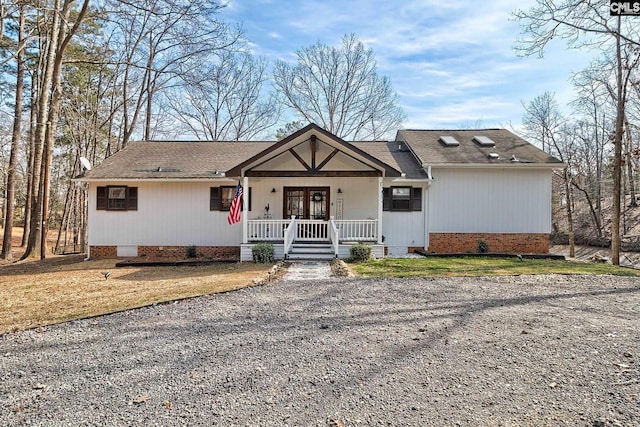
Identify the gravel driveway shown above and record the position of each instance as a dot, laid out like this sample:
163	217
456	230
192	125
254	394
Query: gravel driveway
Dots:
498	351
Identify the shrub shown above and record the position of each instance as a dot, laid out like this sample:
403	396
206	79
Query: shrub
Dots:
483	247
192	252
361	253
263	253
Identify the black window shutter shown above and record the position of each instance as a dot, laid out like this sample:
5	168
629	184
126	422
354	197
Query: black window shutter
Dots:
416	199
101	198
132	198
386	199
215	204
249	198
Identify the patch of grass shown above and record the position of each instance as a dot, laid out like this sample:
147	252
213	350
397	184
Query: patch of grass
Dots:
480	266
39	293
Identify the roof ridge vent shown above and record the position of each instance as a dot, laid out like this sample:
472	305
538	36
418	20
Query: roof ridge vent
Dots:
484	141
449	141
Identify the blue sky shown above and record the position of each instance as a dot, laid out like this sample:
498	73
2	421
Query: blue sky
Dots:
452	63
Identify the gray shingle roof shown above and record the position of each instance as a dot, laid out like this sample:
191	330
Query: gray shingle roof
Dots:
201	160
174	159
425	144
400	159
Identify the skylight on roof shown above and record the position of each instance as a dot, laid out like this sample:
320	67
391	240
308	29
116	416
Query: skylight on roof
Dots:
449	141
484	141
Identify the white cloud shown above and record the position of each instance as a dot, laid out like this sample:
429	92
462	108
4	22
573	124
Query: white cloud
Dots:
451	62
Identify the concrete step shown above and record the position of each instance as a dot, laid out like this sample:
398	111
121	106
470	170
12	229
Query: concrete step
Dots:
310	256
312	248
311	251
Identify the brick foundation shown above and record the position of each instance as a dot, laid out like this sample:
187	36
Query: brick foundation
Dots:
171	252
102	252
518	243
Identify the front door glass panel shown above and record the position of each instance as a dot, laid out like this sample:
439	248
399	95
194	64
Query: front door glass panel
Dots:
306	202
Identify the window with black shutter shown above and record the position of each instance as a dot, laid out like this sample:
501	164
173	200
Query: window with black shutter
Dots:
101	198
416	198
220	198
386	199
117	198
402	199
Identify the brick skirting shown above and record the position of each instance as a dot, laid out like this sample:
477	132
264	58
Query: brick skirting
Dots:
103	252
172	252
514	243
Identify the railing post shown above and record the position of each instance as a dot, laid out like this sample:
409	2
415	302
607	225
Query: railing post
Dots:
290	234
334	235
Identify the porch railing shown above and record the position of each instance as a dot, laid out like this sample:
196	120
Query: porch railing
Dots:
313	230
267	229
290	234
357	230
288	230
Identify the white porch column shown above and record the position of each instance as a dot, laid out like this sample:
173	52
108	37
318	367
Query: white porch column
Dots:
245	209
379	210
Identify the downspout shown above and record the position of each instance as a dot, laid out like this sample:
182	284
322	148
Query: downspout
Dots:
87	189
427	207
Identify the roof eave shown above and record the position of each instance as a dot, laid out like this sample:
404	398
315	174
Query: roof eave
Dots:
510	165
159	179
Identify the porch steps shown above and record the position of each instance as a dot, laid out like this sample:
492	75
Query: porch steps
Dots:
311	251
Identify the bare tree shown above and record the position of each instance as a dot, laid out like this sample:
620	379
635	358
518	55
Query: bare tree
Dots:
595	104
585	23
158	40
223	99
339	88
544	123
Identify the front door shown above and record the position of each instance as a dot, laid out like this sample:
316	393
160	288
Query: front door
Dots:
306	202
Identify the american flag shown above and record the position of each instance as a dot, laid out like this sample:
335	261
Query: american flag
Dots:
234	211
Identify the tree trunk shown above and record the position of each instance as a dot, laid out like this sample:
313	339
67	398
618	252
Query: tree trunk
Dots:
54	112
567	188
34	245
15	140
30	164
629	158
617	157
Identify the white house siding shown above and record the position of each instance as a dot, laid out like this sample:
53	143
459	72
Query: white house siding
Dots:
177	213
169	213
402	230
490	201
359	195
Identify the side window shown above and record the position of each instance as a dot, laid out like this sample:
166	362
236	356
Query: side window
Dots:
220	198
402	199
117	198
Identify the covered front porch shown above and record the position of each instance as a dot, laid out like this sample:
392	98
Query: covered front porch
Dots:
312	239
327	192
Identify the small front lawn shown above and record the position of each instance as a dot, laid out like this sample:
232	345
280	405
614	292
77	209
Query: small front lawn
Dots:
39	293
480	266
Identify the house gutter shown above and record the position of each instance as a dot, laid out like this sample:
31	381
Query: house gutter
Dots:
155	179
510	165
